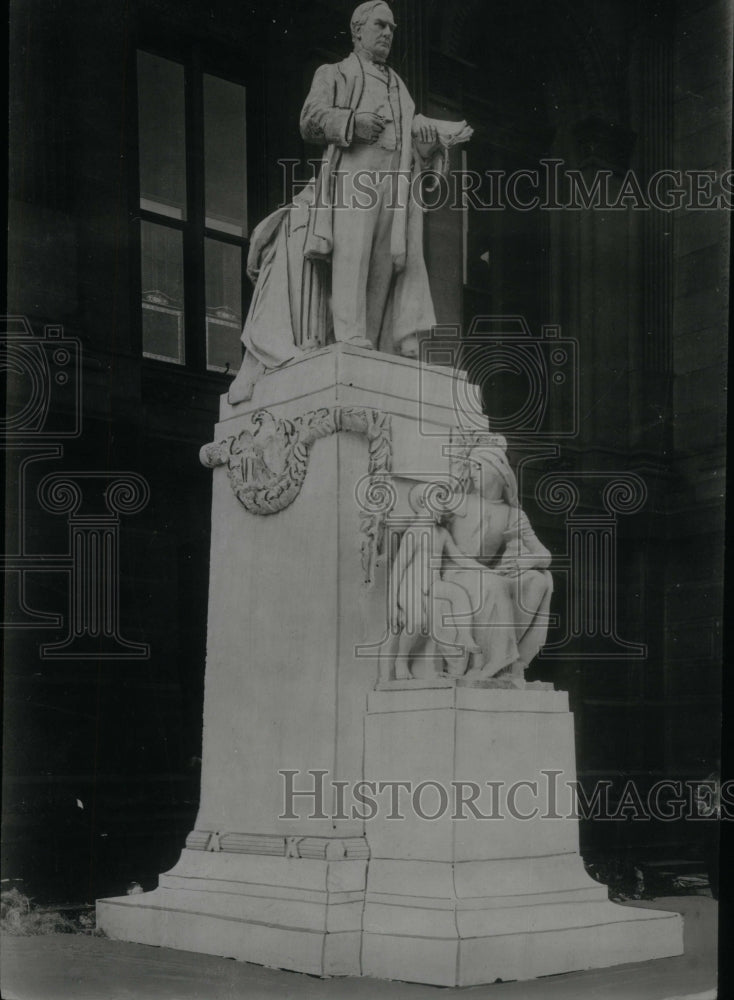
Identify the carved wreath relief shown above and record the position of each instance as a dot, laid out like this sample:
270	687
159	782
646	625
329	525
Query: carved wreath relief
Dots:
267	465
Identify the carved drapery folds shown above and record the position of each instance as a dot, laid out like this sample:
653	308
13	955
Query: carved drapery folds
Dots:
267	465
469	587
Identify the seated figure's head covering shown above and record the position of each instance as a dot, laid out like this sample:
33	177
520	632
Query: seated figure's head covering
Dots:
494	457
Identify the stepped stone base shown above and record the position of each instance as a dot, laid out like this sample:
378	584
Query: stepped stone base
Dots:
289	913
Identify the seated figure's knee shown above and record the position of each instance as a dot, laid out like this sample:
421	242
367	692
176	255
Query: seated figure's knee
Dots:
532	587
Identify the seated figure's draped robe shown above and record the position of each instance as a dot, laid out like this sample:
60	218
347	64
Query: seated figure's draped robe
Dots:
510	610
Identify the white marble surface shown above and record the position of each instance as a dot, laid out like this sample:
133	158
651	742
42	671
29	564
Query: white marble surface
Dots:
354	376
445	902
284	688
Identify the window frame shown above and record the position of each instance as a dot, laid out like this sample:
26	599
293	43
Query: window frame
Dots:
198	59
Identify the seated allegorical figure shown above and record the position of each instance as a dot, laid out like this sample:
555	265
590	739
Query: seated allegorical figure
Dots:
510	595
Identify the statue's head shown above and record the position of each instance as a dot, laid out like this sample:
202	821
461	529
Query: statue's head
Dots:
373	27
492	475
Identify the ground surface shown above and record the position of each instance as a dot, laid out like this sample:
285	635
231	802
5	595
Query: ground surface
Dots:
73	967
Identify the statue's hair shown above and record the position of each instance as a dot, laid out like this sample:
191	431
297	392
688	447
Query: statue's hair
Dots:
359	17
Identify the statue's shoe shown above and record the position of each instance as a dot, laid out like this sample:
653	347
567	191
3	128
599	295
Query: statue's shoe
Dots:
243	386
409	348
240	393
361	342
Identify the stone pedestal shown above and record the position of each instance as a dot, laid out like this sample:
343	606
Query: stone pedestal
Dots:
293	596
297	636
459	900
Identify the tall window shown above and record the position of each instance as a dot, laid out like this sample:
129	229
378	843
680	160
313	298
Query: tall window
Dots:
193	213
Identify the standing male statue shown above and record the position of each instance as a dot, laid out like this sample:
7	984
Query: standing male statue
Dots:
345	260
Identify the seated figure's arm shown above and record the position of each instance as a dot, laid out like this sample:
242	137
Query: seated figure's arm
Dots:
533	554
450	549
321	121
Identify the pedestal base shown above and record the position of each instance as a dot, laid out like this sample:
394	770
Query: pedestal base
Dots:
456	900
460	894
447	935
300	914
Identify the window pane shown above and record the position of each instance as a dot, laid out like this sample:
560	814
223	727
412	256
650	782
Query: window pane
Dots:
225	156
223	264
162	136
162	282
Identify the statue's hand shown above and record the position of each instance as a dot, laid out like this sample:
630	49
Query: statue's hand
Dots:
368	126
427	134
512	542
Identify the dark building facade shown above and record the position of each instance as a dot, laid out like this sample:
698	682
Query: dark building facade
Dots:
145	140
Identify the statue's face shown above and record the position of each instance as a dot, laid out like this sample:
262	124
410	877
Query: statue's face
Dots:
376	34
492	483
474	484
